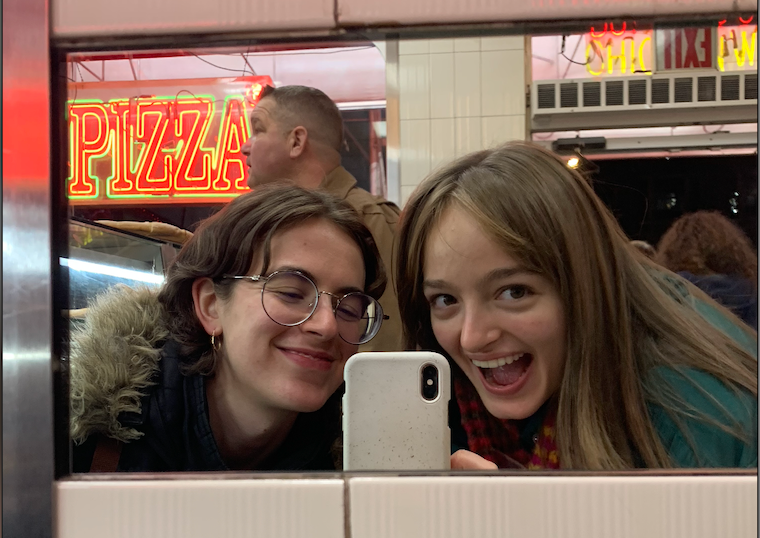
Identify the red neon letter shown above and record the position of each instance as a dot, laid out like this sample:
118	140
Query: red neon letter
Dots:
89	138
598	34
230	163
125	179
193	163
155	171
612	29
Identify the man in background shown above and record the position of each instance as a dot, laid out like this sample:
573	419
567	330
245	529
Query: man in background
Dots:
297	134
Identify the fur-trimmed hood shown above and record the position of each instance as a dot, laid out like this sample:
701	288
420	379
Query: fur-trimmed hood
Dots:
114	358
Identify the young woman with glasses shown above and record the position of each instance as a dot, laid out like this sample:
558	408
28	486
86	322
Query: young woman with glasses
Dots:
571	349
237	361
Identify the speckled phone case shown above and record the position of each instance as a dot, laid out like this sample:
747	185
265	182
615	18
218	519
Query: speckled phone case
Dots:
387	424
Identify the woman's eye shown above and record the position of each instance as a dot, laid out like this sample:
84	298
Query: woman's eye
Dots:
289	296
442	301
514	292
348	314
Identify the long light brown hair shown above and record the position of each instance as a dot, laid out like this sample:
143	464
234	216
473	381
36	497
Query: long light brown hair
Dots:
625	315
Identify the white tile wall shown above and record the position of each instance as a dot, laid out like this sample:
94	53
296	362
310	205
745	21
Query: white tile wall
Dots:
441	85
414	86
441	45
200	508
500	129
443	143
467	84
468	135
503	43
548	507
415	153
466	44
456	96
406	192
413	46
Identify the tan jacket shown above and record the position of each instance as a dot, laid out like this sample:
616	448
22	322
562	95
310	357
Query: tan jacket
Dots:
381	217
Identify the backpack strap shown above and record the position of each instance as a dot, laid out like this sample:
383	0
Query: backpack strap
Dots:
107	454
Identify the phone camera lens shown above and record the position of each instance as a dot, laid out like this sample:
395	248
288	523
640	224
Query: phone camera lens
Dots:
429	382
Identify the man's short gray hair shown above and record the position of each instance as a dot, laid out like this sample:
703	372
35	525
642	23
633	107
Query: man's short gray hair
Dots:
310	108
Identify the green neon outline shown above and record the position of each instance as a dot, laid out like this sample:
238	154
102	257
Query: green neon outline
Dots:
172	193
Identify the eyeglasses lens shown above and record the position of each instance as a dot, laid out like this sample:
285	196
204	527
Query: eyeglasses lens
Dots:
290	299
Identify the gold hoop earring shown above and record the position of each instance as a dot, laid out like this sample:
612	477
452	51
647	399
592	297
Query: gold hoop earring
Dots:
216	345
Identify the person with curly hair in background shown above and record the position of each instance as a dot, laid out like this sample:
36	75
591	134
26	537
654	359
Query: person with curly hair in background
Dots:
713	253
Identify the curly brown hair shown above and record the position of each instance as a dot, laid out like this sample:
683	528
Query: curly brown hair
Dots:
705	243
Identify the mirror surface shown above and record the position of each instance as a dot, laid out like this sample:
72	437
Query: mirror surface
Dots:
662	122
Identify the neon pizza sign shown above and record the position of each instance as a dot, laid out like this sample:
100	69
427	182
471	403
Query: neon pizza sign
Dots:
155	149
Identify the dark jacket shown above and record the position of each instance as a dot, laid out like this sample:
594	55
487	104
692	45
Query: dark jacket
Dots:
734	292
127	384
381	217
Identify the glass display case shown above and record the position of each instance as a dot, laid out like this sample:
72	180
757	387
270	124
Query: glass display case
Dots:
101	257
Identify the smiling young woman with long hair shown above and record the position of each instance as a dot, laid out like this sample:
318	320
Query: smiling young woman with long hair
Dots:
570	348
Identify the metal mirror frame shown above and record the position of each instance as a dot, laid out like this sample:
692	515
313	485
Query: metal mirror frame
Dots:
35	436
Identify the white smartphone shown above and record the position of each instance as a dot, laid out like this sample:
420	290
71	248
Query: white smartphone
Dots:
395	412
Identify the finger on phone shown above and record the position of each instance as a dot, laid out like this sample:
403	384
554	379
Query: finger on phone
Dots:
464	459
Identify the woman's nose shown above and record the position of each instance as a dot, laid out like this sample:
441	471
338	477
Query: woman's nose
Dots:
478	330
322	321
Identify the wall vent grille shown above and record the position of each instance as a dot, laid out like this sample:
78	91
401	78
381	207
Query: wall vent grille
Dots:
592	94
667	90
729	88
683	90
614	91
568	95
637	92
546	96
660	91
750	86
695	97
706	89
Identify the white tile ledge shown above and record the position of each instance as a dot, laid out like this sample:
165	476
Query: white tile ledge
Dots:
550	506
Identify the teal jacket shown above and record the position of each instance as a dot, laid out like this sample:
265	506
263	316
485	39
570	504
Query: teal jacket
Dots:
698	443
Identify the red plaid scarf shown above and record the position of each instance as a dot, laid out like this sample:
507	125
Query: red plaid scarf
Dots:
498	440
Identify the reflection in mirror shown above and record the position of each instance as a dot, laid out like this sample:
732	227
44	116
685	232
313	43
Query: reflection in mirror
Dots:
568	350
175	366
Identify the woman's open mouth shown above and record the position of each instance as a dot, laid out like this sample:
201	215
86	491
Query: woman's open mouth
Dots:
505	375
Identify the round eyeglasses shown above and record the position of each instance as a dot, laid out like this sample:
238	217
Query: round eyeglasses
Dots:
290	298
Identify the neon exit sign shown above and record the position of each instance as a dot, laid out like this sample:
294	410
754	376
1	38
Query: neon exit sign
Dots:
180	148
